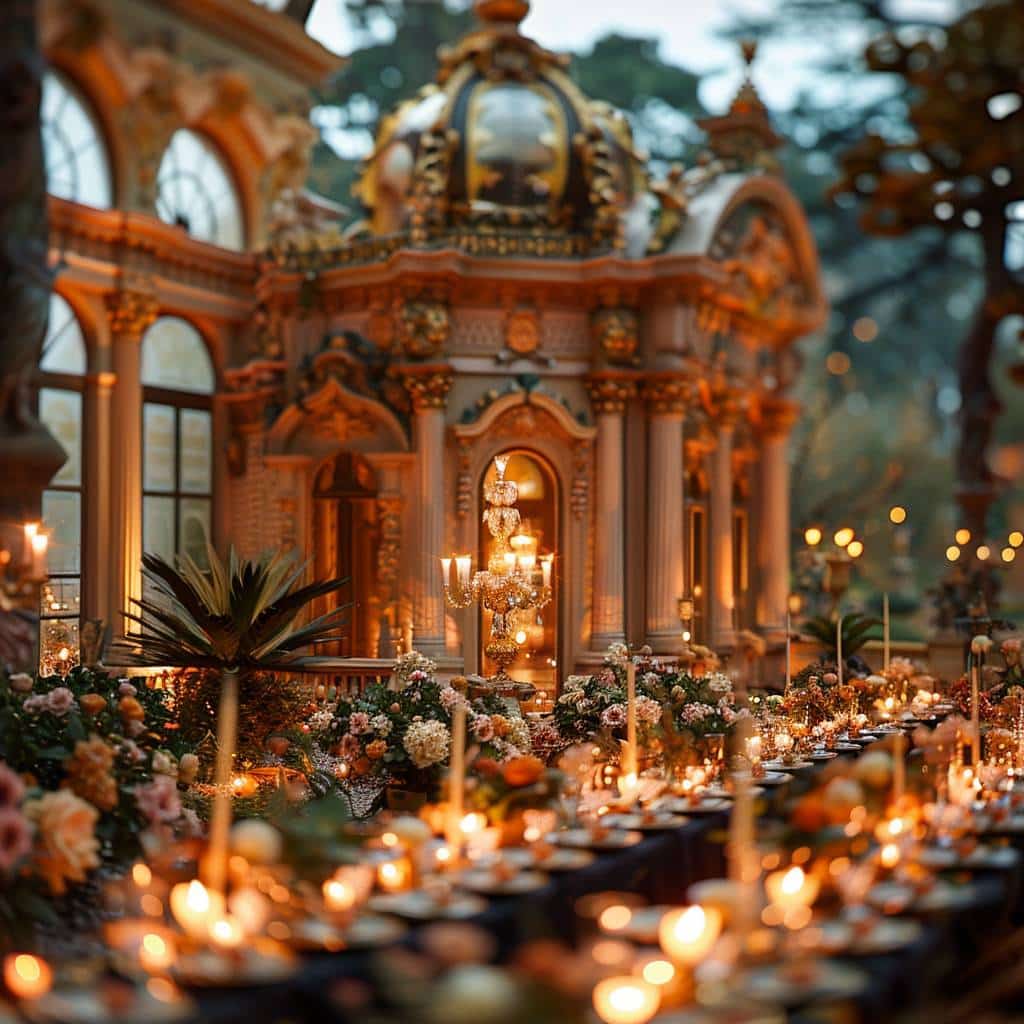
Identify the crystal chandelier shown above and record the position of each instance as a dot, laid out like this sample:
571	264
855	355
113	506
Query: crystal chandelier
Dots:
515	582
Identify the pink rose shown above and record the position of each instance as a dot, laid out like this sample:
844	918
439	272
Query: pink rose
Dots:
11	788
59	701
15	838
21	682
126	689
483	728
449	698
359	722
34	704
158	801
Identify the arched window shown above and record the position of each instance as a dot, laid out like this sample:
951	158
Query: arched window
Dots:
77	164
177	440
60	380
195	191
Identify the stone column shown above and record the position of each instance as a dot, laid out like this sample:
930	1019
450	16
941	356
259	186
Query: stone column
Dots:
129	314
777	417
666	397
97	541
608	397
722	596
428	388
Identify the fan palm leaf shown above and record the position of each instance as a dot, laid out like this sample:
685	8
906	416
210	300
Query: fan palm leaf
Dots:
856	629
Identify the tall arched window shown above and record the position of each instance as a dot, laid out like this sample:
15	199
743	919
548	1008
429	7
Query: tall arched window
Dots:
177	440
77	164
195	191
60	381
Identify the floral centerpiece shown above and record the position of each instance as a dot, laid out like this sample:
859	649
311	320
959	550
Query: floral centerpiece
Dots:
90	772
403	736
503	790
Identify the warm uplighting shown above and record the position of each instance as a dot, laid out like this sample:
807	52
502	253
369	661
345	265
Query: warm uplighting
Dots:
962	536
1016	539
687	935
812	536
952	553
626	1000
1008	554
855	549
843	536
27	976
984	552
897	514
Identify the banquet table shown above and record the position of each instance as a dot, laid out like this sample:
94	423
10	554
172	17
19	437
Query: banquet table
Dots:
659	869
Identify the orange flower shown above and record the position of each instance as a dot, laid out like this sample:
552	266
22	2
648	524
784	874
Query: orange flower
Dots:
91	773
500	724
92	703
130	709
361	766
487	767
376	750
809	814
522	771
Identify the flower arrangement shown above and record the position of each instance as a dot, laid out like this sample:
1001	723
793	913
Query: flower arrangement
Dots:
90	767
503	789
403	736
702	705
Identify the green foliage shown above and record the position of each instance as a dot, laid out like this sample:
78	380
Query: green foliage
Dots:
856	631
243	615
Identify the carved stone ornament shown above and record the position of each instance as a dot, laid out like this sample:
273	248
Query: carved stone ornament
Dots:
389	551
464	482
428	390
669	394
616	331
424	327
130	313
609	394
522	332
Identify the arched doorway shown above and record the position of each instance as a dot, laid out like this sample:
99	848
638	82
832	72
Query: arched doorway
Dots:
347	538
538	631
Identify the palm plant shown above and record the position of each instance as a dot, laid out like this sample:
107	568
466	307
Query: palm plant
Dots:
236	618
856	629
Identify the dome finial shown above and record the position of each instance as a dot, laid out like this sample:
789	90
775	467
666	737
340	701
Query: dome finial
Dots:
502	11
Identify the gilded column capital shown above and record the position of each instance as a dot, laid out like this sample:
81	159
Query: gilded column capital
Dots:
428	386
669	393
776	417
610	394
728	407
130	313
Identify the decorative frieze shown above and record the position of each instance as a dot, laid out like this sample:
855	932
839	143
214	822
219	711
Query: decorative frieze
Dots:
610	394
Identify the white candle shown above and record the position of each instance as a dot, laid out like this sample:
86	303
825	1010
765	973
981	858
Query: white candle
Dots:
446	571
462	566
31	529
899	766
40	542
789	650
885	631
456	775
545	567
839	649
975	715
220	816
630	760
510	561
743	860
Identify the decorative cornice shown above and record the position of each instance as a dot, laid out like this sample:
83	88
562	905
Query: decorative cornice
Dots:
610	394
428	386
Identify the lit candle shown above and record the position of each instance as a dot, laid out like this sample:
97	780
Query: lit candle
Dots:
394	875
885	631
226	933
27	976
194	907
899	766
463	564
792	888
626	1000
545	568
629	755
31	529
216	864
687	935
339	895
446	571
456	774
40	543
157	952
510	561
975	712
528	563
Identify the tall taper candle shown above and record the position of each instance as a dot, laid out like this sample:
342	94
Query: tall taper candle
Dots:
456	777
742	850
220	816
899	766
885	631
975	714
789	650
839	649
630	759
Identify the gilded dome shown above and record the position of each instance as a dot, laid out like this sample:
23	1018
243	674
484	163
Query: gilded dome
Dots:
505	147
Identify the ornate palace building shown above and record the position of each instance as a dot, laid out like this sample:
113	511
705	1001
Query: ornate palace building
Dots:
226	360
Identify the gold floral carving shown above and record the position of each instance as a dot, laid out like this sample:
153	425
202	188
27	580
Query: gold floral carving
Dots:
776	417
464	482
423	328
389	550
610	394
579	494
616	330
130	313
428	390
522	332
669	394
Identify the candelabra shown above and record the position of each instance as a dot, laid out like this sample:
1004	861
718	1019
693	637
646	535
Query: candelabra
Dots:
513	583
